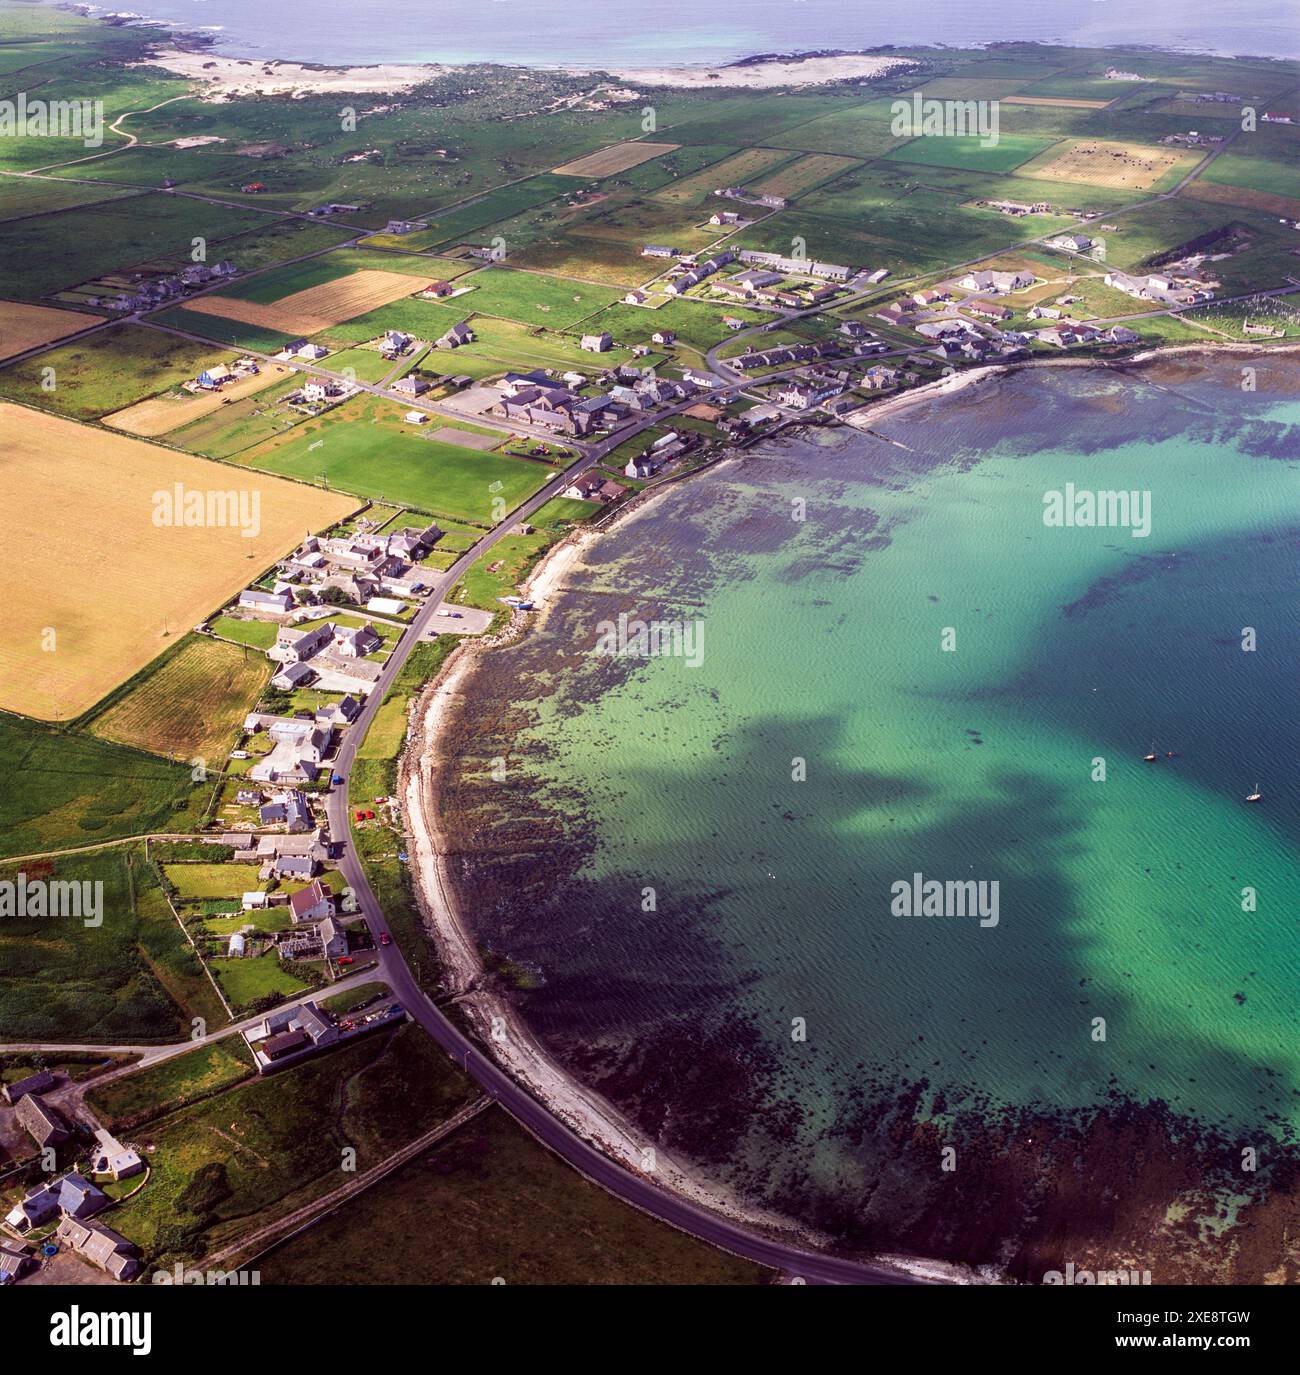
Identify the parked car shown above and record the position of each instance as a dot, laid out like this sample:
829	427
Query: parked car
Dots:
385	939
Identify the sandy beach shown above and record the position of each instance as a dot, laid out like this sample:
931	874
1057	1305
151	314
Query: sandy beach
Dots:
230	77
767	73
498	1024
500	1029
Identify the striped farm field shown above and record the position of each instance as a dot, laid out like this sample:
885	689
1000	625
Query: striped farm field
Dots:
107	589
191	706
318	307
24	327
803	174
619	158
738	170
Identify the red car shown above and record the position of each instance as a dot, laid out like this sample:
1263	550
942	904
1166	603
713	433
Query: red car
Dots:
345	959
385	939
361	816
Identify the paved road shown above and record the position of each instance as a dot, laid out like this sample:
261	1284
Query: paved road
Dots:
638	1190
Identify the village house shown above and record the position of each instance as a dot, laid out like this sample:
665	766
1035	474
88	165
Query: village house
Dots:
71	1194
597	343
14	1262
593	486
255	599
311	903
663	336
996	283
102	1246
411	385
456	336
656	250
289	1033
435	290
1071	243
113	1158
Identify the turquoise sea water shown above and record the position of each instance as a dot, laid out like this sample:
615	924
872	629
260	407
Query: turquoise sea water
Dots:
676	32
1119	899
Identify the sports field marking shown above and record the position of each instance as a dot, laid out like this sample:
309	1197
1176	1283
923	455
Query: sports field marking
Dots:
106	589
618	158
318	307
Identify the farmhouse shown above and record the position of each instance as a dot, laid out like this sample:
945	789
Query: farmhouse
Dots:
46	1124
435	290
40	1082
1071	243
255	599
655	250
597	343
311	903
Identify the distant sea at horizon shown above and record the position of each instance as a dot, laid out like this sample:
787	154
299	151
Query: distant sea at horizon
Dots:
593	33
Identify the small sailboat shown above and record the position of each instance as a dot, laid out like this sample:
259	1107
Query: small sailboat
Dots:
1256	796
1153	756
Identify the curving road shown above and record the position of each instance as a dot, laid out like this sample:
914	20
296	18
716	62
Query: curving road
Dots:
636	1189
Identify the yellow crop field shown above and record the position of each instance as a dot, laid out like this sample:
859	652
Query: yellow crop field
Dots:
318	307
107	583
618	158
1093	162
162	414
24	327
1055	100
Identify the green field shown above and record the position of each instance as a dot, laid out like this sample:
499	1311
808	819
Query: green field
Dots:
190	704
105	371
230	1163
77	790
132	978
245	981
38	256
507	1210
969	154
137	1098
363	447
242	424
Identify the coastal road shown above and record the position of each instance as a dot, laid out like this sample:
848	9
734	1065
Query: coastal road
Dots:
633	1188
